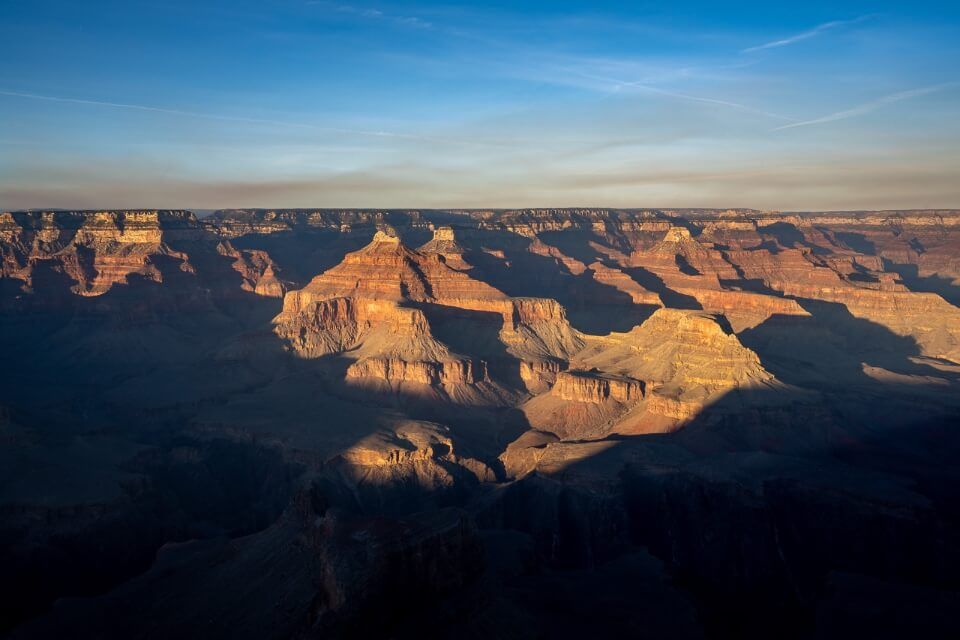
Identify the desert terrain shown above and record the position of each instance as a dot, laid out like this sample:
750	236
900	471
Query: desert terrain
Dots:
527	423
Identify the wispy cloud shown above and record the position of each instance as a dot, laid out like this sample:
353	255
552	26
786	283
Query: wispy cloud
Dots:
621	85
243	119
723	103
374	14
806	35
873	105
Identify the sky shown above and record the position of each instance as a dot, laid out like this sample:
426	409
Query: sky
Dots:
307	103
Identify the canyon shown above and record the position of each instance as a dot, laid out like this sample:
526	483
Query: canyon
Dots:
298	423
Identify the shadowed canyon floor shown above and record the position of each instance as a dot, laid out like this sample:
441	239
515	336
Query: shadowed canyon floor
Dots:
483	424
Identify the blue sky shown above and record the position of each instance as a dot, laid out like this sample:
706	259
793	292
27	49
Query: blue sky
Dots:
170	103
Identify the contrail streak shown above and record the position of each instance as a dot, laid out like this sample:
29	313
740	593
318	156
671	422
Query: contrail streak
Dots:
619	84
817	30
870	106
225	118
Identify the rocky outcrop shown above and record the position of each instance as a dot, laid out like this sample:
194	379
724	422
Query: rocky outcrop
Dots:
377	303
232	223
707	403
95	250
388	269
333	325
538	328
257	269
681	407
456	372
744	309
539	375
585	386
444	244
689	347
801	274
685	359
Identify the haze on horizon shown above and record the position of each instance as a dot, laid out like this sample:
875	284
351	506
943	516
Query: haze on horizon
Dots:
208	104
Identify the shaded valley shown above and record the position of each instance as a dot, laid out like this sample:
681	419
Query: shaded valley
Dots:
539	423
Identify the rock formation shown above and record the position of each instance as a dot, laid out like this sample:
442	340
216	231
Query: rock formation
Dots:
379	305
292	423
444	244
670	367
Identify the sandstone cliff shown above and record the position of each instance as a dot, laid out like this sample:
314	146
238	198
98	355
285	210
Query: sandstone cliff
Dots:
303	398
377	304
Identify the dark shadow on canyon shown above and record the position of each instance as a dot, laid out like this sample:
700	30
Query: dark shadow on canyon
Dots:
857	241
750	513
768	499
592	306
671	299
910	275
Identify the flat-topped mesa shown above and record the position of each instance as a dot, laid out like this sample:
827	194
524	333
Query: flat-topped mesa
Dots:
47	232
444	237
596	387
903	217
744	309
444	244
616	283
71	220
58	230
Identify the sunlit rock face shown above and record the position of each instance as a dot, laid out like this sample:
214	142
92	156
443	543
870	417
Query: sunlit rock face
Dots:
587	387
444	244
376	306
681	420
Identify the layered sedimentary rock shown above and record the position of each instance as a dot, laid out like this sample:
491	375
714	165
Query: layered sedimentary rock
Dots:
459	372
538	375
674	344
802	274
50	255
799	372
585	386
258	271
444	243
685	358
388	269
653	378
378	303
389	460
240	222
93	250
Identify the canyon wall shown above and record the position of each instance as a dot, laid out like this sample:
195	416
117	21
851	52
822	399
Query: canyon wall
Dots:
483	421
